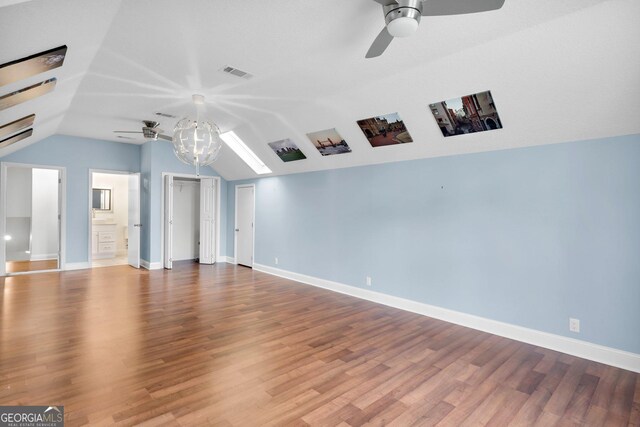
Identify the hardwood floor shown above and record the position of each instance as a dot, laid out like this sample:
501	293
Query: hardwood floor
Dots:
23	266
225	345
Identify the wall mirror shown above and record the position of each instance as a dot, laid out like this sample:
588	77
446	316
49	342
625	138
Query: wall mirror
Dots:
101	199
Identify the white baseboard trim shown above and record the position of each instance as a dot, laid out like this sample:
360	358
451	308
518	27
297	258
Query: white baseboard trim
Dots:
598	353
228	259
70	266
150	265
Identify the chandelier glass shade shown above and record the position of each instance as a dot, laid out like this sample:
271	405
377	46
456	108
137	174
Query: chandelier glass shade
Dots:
196	142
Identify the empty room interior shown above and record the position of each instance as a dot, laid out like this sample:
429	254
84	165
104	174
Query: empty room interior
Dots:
320	213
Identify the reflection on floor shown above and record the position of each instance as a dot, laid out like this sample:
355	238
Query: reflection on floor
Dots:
108	262
21	266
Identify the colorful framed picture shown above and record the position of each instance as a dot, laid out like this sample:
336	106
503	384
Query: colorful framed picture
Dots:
17	125
287	150
329	142
31	65
15	138
467	114
388	129
27	93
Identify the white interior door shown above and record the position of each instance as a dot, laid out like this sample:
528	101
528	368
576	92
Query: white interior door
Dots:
168	222
244	225
60	260
207	221
133	223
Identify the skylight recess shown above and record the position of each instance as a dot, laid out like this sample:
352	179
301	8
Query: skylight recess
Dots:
246	154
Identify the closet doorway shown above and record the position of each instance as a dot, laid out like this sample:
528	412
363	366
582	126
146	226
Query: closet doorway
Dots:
114	223
190	227
32	202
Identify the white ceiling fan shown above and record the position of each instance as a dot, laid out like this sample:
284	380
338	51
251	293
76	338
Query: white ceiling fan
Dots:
403	16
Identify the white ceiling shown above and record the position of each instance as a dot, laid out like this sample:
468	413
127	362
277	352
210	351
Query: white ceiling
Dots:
558	71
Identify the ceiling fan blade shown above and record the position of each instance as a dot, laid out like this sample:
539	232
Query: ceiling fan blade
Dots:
386	2
379	44
126	131
153	130
458	7
165	137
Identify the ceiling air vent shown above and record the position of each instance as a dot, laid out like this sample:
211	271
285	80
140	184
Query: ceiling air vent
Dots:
235	72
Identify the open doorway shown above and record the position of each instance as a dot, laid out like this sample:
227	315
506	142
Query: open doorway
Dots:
32	218
186	219
114	199
190	228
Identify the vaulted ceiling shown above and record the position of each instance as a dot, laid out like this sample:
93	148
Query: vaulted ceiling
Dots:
558	71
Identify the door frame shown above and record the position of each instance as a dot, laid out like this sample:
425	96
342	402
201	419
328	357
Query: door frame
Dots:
90	207
166	239
217	196
235	225
132	225
62	197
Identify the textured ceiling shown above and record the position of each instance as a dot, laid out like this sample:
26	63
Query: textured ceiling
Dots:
558	71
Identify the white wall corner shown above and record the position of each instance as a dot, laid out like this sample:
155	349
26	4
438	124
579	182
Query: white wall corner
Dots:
70	266
586	350
150	265
228	259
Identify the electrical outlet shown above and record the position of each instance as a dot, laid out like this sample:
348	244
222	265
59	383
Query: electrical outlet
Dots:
368	281
574	325
276	260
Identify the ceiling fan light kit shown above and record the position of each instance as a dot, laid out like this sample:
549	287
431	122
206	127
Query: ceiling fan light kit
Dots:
402	27
402	17
401	20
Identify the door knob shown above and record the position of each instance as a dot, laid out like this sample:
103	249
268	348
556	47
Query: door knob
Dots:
137	225
237	229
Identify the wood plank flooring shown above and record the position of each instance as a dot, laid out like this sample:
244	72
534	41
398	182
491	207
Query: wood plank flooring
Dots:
23	266
227	346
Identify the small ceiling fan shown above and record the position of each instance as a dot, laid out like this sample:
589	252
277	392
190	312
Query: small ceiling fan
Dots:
150	130
403	16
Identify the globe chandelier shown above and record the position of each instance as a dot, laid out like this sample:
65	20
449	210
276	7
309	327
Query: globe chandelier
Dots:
196	142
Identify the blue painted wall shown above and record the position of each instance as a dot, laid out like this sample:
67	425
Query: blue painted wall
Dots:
78	155
527	236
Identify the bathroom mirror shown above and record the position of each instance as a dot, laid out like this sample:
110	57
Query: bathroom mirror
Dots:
101	199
